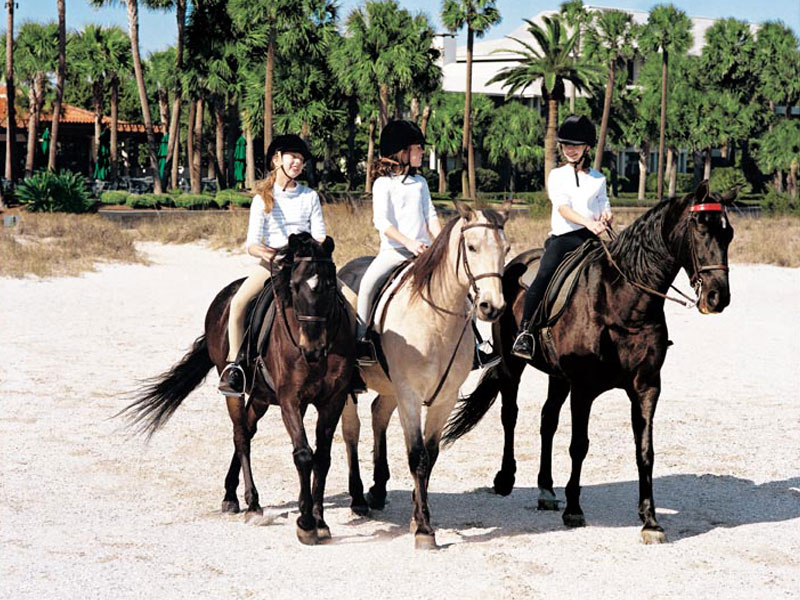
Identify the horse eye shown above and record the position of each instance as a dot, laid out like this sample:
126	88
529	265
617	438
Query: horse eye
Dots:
470	247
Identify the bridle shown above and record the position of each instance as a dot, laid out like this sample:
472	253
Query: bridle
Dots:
697	268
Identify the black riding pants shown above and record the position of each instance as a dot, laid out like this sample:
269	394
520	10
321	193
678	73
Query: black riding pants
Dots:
555	248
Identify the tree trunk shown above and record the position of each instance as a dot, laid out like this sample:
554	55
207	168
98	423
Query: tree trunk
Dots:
644	153
197	152
707	165
550	138
220	145
414	109
778	181
114	126
698	167
62	73
133	24
250	159
163	107
211	161
673	173
663	125
97	103
467	151
268	98
11	124
36	98
792	182
370	155
383	103
426	115
190	141
601	140
443	173
352	115
176	161
174	124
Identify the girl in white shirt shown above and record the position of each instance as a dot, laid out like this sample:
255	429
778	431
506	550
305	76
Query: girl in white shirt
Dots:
580	211
280	208
402	212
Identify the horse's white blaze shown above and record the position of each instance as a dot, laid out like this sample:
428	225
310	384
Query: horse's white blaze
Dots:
313	281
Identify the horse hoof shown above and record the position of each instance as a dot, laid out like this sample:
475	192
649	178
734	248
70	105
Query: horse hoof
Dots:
654	536
253	516
230	506
360	509
425	541
375	502
547	500
573	520
503	483
323	534
309	538
412	526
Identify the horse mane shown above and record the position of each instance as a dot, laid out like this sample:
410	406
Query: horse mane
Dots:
427	263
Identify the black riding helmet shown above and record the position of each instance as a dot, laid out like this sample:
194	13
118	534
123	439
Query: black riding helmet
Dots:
576	129
399	135
287	143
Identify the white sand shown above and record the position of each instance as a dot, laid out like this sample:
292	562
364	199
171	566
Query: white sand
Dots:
86	511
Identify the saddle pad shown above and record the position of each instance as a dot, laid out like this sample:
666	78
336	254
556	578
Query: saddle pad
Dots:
259	318
389	285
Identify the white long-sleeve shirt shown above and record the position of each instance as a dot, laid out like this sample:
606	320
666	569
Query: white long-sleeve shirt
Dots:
589	199
294	211
406	205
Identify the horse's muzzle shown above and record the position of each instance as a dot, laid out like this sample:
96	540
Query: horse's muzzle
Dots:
486	311
714	299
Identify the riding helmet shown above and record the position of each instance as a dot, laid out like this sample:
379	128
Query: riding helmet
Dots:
287	143
399	135
576	129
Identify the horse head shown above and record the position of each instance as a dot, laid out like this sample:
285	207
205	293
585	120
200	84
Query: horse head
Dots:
306	281
704	249
482	252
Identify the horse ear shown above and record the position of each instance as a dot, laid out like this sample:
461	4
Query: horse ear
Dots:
293	240
465	210
701	193
505	210
328	245
728	197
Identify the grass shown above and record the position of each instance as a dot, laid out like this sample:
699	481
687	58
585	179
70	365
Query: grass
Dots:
47	245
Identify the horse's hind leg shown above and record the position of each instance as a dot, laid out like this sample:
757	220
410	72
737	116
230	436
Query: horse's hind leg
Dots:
557	393
327	419
509	388
245	422
581	405
351	431
382	409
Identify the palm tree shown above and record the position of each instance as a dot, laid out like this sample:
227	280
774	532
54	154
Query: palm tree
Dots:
668	30
478	16
11	123
577	18
118	57
611	41
445	130
552	63
515	138
61	74
89	58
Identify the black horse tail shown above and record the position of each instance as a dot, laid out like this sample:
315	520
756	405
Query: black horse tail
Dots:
471	409
165	392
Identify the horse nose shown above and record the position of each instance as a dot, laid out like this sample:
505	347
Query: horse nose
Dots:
489	312
314	355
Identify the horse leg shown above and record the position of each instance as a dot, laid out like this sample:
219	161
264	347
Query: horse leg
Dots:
327	419
644	398
557	392
382	409
351	431
581	406
303	462
509	387
244	428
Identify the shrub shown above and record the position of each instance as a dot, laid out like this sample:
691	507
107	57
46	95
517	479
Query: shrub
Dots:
54	192
487	180
194	201
727	178
683	185
142	201
778	203
227	197
431	177
114	197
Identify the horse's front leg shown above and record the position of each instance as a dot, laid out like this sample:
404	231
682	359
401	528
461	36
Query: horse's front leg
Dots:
303	461
557	392
382	409
244	428
327	419
581	406
509	387
644	398
351	431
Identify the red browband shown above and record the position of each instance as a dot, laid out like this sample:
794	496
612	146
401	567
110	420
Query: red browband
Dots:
706	207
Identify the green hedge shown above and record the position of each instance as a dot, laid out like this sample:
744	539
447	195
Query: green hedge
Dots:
195	201
46	191
778	204
143	201
225	198
114	197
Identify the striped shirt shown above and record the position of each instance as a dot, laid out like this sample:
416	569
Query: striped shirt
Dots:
406	205
294	211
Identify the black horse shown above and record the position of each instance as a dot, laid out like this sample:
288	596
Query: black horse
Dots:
310	357
612	334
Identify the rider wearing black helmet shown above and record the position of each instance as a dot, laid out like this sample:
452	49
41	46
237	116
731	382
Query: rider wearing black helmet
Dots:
580	211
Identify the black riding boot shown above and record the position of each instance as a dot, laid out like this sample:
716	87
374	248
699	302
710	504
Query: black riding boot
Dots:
525	344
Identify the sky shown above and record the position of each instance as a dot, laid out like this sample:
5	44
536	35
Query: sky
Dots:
157	28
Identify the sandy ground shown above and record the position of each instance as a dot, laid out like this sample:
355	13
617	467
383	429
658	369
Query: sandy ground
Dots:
87	511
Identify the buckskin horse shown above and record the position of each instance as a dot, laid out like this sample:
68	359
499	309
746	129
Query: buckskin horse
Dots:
427	340
309	359
612	334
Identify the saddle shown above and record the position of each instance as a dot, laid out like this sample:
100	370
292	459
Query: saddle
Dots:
259	318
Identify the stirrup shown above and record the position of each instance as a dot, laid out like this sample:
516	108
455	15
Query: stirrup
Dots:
365	351
485	356
222	382
525	333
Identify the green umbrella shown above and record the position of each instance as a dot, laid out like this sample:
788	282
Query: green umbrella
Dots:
162	154
102	168
45	142
239	153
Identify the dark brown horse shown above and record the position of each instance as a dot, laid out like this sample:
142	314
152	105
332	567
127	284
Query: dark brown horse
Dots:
612	334
309	358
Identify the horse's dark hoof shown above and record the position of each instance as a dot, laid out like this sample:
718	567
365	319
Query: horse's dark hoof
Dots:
360	509
653	536
375	502
230	506
504	483
573	519
253	516
309	538
547	500
425	541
